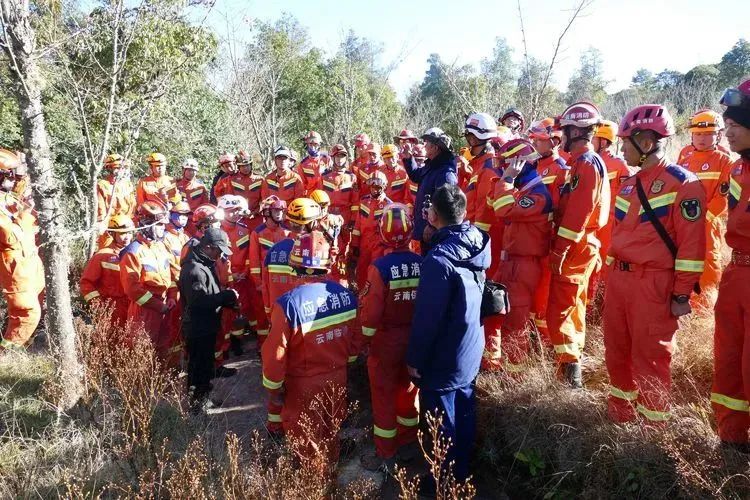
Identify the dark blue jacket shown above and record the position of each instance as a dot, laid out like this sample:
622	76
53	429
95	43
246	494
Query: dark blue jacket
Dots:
447	339
436	172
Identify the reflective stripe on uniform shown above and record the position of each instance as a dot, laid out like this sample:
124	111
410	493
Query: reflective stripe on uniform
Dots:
503	201
245	239
735	189
265	242
110	266
144	298
653	415
695	266
280	269
272	417
731	403
706	176
407	283
368	332
317	324
609	260
270	384
483	226
384	433
254	270
408	422
263	332
622	204
626	395
571	349
570	235
91	295
352	359
660	201
237	185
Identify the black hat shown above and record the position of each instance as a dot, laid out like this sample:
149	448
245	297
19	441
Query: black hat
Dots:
217	237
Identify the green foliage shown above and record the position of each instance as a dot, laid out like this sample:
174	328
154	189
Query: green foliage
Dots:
735	65
533	459
588	82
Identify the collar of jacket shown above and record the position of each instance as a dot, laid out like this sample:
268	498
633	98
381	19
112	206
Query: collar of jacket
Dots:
443	158
447	231
201	257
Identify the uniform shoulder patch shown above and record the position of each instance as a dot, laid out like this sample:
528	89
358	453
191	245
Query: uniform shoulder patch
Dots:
691	209
132	248
681	174
526	202
260	228
657	186
574	182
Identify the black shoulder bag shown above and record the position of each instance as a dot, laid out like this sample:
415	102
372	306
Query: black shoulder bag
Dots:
495	299
660	229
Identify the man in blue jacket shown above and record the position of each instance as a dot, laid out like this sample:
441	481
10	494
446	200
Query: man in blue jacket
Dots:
447	339
439	169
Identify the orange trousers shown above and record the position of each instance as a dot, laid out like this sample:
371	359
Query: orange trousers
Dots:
507	337
541	300
639	334
598	277
395	411
712	270
156	325
24	313
731	387
566	310
175	342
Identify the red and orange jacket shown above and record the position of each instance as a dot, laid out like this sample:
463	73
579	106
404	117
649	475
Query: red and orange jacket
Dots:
690	148
158	189
364	172
617	171
738	199
194	192
341	187
101	276
262	239
480	187
278	276
555	175
585	207
387	304
311	333
712	169
146	273
239	242
309	170
287	187
247	186
174	240
358	164
398	179
528	213
20	266
365	234
117	193
679	201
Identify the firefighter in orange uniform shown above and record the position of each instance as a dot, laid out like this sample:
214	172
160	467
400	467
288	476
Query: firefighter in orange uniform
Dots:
712	168
584	210
246	184
373	163
364	236
396	174
308	349
262	239
192	189
227	168
649	285
310	168
115	195
21	271
419	153
386	309
175	239
522	201
546	137
145	273
617	172
731	386
332	226
341	186
283	182
361	158
157	186
100	281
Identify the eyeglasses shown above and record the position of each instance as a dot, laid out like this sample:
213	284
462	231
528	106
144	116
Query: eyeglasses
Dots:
735	98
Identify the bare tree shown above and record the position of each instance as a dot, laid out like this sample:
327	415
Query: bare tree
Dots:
18	41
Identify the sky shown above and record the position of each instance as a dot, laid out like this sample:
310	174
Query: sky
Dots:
631	34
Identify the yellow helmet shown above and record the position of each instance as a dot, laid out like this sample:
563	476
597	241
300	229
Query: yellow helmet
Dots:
389	151
156	158
706	120
303	211
606	130
113	161
320	197
120	224
9	160
181	207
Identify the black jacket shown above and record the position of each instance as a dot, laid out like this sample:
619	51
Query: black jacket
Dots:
201	296
435	173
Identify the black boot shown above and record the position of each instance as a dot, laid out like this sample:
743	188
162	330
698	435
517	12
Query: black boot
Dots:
572	374
225	372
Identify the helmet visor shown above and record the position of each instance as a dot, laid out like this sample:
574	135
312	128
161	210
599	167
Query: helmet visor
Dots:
735	98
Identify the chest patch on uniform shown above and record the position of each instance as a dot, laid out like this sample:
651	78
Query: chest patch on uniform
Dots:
626	190
737	170
724	188
691	209
574	182
526	202
705	167
546	171
657	186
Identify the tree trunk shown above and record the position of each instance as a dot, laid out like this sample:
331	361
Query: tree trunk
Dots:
55	252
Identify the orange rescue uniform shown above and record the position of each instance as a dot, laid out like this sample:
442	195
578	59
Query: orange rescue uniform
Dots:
262	239
158	189
287	187
365	236
247	186
644	275
309	170
100	281
478	195
397	190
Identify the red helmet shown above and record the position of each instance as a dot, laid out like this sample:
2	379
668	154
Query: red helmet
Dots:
311	251
377	178
207	214
406	135
338	149
514	148
396	225
516	113
361	139
273	202
181	207
151	211
420	151
373	147
226	158
312	136
545	129
581	114
654	117
243	158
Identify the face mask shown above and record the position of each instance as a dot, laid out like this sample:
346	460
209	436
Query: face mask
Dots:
312	151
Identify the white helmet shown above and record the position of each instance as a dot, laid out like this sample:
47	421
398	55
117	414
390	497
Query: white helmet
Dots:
437	136
190	163
232	202
481	125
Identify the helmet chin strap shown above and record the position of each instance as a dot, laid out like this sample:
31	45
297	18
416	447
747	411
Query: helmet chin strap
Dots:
643	154
569	143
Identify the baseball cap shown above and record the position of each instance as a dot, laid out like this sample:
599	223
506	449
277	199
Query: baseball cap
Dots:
217	237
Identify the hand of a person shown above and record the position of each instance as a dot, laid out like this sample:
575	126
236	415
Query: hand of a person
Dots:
515	165
556	261
239	276
407	151
428	232
171	304
164	309
413	372
679	309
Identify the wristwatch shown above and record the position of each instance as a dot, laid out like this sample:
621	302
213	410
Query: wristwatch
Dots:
681	299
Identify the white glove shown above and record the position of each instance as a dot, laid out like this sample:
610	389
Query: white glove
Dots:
515	165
